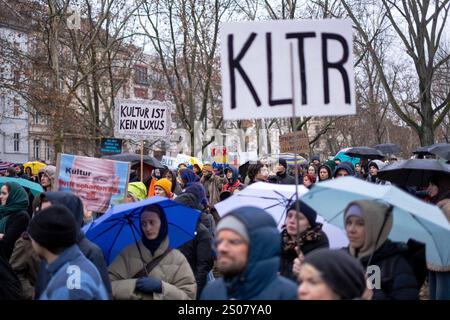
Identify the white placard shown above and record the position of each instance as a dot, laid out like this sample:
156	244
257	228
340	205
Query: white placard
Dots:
256	68
171	162
141	118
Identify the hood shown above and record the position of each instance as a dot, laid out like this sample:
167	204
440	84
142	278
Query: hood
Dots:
373	214
326	167
346	166
189	176
235	175
378	163
50	172
138	189
264	253
71	202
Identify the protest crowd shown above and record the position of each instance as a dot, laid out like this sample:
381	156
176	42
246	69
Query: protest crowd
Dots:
241	253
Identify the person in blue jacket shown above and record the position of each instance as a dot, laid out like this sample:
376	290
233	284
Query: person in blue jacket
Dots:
248	258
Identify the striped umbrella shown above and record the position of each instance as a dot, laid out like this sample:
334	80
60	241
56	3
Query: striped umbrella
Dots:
5	165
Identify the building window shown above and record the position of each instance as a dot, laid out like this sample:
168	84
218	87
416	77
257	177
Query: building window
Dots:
47	151
16	142
36	149
36	117
140	75
16	107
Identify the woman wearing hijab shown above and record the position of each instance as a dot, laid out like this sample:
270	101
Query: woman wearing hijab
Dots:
311	236
188	178
149	270
368	224
13	216
331	275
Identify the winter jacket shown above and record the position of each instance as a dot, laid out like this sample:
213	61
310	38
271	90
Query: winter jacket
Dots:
25	263
284	179
178	281
72	267
16	225
213	186
89	249
198	253
398	281
234	182
260	280
288	253
10	288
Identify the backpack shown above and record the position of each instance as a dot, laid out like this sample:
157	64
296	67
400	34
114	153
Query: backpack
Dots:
415	257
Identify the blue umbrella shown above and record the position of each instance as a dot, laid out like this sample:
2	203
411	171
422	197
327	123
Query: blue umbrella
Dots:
120	226
413	218
34	187
341	155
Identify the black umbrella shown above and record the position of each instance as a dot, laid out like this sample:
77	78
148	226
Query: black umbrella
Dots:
390	148
134	158
422	151
441	149
414	172
365	152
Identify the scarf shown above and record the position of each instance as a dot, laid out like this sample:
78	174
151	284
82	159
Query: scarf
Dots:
309	235
17	201
154	244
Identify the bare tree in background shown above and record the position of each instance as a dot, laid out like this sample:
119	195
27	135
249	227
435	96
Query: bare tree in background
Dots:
419	25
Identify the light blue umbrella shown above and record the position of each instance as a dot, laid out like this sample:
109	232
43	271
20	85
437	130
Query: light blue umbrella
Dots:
34	187
413	218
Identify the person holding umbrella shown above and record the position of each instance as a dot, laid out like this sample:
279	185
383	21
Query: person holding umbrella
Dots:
368	224
149	269
300	233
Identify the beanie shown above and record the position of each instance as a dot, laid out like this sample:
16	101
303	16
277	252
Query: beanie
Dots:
53	227
232	223
343	273
138	189
306	210
283	162
165	184
208	167
315	157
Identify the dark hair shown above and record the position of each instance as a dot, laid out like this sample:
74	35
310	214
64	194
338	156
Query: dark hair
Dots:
253	170
11	171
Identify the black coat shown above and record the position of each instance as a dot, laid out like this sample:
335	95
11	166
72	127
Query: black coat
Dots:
288	256
398	281
198	253
284	179
15	226
10	287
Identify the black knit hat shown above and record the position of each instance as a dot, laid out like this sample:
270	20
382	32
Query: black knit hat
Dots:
343	273
307	211
283	162
53	227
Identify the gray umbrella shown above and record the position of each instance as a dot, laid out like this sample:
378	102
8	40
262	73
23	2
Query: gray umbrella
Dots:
135	159
441	149
365	152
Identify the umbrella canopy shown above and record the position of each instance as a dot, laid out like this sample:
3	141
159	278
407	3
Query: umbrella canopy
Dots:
365	152
34	166
441	149
341	155
413	218
135	159
5	165
390	148
34	187
274	198
121	225
413	172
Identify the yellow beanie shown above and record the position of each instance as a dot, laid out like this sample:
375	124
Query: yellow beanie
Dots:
165	184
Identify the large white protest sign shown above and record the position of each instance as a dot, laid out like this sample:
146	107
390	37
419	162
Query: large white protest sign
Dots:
256	68
141	118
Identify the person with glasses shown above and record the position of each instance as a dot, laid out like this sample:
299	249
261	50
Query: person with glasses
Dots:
248	257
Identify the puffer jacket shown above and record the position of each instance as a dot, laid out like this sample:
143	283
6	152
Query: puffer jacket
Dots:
177	278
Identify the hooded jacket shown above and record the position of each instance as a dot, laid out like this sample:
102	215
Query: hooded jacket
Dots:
234	182
398	281
380	165
260	280
346	166
178	281
89	249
